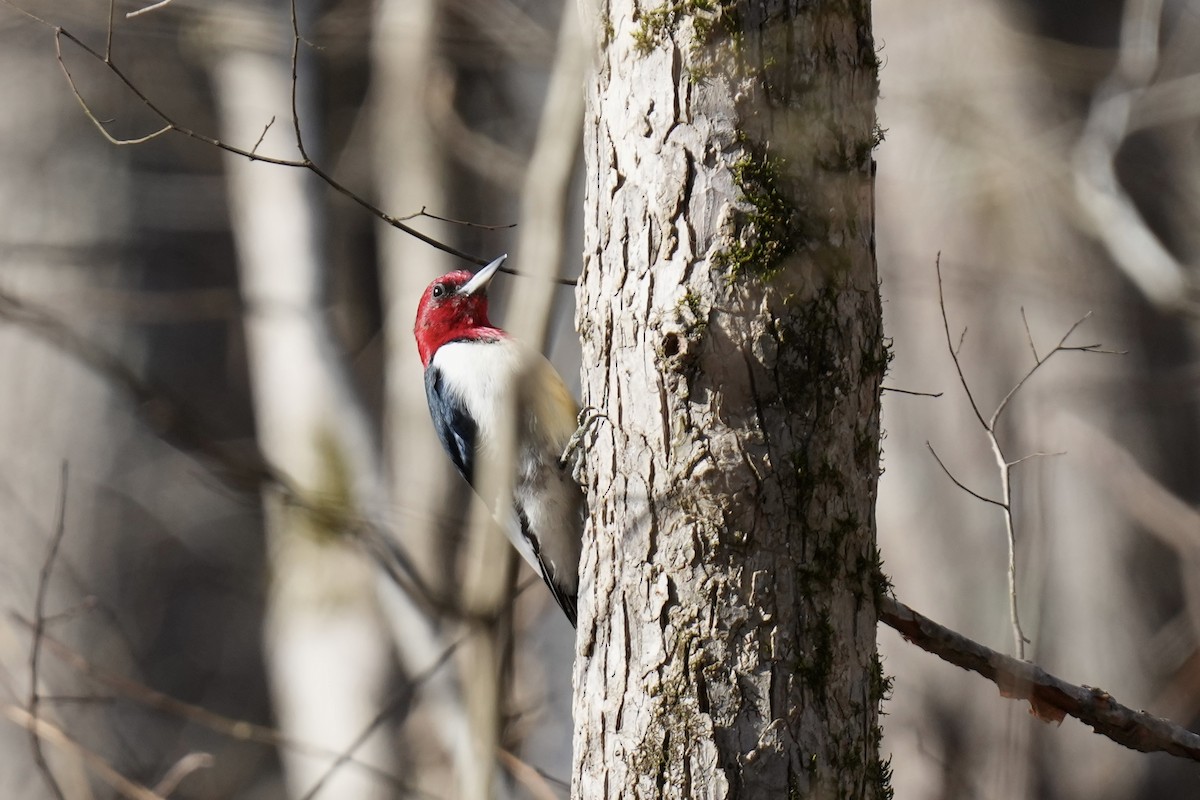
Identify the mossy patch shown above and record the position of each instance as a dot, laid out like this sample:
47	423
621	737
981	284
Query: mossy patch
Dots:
768	222
816	666
658	24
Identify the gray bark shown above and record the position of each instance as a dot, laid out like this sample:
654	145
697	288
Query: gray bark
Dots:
729	308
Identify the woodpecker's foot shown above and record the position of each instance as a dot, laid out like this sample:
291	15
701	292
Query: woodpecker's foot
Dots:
571	459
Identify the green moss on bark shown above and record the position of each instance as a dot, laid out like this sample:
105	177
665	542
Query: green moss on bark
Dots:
767	223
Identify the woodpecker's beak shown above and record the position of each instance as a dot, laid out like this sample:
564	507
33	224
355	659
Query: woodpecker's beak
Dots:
480	280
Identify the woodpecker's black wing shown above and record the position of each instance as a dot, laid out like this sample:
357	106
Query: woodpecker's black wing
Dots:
566	600
453	424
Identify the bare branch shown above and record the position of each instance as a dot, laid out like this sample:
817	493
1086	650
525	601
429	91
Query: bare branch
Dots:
1050	698
241	470
55	736
959	483
536	782
1031	456
950	345
171	126
1003	464
108	36
168	417
147	9
401	701
1061	347
263	135
466	224
186	765
96	121
1029	336
295	84
1108	211
236	729
39	624
910	391
1140	495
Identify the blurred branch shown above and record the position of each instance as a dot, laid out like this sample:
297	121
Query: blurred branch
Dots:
508	27
236	729
1141	496
399	704
483	154
1166	102
1111	214
989	424
1050	698
183	767
537	784
146	9
489	559
243	470
546	193
39	624
170	125
167	417
55	736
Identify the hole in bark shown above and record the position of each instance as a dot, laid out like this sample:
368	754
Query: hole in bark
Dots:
671	345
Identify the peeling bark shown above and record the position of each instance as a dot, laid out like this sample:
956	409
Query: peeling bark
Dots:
729	310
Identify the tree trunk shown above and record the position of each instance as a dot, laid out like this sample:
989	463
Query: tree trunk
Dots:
321	607
729	304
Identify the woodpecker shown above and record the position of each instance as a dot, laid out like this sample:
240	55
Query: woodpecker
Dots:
476	378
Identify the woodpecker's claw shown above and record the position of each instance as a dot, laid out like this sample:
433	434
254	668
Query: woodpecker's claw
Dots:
572	460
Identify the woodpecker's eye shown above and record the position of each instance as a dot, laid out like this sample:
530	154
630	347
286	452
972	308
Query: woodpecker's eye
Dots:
439	291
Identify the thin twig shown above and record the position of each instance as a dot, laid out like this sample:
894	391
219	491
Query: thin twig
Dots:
108	37
1051	699
1031	456
913	392
263	135
465	223
1003	464
295	85
1029	336
169	125
950	344
959	483
1037	364
147	9
39	624
98	123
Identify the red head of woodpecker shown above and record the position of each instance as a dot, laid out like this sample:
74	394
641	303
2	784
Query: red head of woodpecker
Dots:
476	377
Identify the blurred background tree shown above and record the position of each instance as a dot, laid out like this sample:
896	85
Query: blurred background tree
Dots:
1017	144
